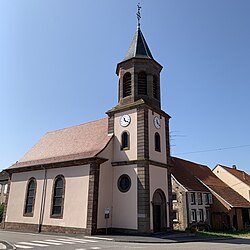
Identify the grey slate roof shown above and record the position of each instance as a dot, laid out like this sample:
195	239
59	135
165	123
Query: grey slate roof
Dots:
138	47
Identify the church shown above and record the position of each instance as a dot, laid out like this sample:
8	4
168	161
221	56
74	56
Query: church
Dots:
111	174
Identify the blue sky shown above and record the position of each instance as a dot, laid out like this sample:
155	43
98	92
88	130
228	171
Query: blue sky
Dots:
58	60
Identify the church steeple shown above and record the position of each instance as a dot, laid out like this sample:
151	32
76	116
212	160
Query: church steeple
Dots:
140	132
139	74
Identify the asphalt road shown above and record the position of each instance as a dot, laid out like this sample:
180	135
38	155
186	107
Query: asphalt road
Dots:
55	242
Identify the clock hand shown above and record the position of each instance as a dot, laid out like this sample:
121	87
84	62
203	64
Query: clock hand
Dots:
125	119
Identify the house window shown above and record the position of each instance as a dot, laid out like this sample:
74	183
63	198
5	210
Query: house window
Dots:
125	141
206	199
58	196
142	83
199	198
210	199
192	198
155	88
127	84
157	142
201	214
174	197
193	215
0	188
175	216
5	189
30	197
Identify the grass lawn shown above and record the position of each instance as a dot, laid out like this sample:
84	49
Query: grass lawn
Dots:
236	234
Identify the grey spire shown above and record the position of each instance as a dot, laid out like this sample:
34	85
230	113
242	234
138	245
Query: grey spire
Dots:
138	47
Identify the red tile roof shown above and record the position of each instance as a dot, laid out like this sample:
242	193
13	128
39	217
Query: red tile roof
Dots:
184	177
205	174
73	143
243	176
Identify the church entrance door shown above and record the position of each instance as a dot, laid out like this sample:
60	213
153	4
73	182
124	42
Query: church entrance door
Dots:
159	211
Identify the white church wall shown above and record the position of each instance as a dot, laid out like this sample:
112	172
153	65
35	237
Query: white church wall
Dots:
131	153
124	212
155	155
158	180
17	196
105	187
76	196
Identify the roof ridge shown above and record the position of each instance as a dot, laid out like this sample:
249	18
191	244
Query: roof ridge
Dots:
198	164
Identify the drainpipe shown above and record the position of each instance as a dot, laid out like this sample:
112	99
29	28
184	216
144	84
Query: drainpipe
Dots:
42	200
187	209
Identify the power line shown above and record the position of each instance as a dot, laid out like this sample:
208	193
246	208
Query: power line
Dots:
213	150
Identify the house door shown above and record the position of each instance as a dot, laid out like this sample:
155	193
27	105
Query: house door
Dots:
159	211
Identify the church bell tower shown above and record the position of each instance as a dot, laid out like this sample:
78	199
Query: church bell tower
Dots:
141	151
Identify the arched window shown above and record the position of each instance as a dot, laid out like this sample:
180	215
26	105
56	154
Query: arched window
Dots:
142	83
30	197
155	88
58	196
125	141
157	142
127	84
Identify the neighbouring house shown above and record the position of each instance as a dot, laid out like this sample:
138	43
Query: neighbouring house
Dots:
3	186
191	199
3	192
230	210
235	178
113	171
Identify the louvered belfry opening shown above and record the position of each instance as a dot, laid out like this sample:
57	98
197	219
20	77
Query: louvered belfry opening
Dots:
155	88
127	84
142	83
139	74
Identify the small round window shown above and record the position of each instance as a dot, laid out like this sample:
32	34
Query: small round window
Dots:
124	183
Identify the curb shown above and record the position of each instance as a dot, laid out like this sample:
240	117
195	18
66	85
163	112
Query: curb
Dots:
160	240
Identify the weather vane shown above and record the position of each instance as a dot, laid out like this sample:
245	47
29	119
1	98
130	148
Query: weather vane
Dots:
138	14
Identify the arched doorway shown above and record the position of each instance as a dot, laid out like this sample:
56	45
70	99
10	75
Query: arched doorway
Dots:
159	211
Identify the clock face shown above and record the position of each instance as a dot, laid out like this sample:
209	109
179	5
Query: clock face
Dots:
125	120
157	122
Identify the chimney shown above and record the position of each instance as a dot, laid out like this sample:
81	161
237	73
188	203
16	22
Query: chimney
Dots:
234	167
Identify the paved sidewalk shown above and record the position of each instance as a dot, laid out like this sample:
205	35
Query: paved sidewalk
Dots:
156	238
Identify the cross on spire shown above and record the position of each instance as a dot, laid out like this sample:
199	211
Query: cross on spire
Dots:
138	14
